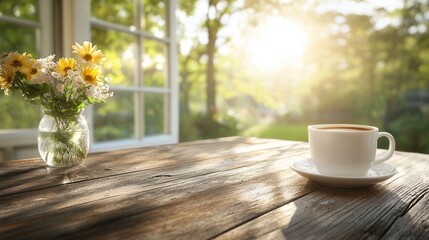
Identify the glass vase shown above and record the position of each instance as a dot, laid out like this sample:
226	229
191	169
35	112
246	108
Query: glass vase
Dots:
63	138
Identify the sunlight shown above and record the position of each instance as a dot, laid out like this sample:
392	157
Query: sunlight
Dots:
277	42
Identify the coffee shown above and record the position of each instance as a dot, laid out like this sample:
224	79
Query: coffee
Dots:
346	129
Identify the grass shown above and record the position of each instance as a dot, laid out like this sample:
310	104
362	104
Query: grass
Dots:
289	131
286	131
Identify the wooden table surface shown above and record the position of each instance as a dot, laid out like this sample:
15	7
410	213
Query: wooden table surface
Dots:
229	188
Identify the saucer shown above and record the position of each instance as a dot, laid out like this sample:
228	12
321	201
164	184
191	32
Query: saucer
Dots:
376	174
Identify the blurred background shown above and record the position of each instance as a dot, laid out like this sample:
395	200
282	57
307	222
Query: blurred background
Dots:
281	65
246	67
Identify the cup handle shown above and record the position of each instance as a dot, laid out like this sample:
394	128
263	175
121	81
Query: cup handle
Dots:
389	153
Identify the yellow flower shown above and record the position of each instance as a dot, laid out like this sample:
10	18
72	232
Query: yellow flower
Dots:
88	52
7	75
32	71
19	61
90	75
35	69
65	64
35	72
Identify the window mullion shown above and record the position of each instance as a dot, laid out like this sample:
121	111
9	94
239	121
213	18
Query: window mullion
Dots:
173	116
76	27
113	26
139	106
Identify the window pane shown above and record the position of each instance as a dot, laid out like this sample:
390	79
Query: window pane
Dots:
120	52
155	113
155	17
19	8
114	119
155	63
115	11
17	38
17	112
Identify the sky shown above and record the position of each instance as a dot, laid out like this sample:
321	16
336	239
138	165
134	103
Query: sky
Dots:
365	8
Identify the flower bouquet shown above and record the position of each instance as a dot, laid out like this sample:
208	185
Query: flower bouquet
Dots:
63	88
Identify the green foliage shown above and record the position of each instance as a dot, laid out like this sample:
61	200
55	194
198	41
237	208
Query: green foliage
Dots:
187	6
155	62
26	9
411	133
286	131
117	118
208	128
121	12
363	73
17	39
354	71
124	12
18	113
121	70
154	113
155	17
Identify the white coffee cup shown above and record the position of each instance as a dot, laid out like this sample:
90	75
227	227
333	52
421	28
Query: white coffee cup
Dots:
346	149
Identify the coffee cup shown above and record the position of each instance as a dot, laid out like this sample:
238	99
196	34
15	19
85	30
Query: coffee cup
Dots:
346	149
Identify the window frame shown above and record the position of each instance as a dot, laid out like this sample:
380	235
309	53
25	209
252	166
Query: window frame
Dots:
77	25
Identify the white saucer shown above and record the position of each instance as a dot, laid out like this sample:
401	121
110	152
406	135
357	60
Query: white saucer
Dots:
376	174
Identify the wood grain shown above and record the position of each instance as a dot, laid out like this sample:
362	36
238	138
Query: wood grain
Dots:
336	213
231	188
23	175
230	167
414	224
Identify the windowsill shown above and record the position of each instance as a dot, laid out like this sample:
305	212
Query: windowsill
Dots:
18	137
133	143
28	137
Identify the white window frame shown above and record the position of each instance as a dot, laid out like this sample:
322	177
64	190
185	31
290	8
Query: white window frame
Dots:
77	24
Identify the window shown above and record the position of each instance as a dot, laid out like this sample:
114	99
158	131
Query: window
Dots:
19	24
25	26
138	40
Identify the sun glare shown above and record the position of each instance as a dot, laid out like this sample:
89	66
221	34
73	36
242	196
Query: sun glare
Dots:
277	43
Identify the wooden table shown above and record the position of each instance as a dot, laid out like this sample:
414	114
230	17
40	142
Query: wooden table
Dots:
229	188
